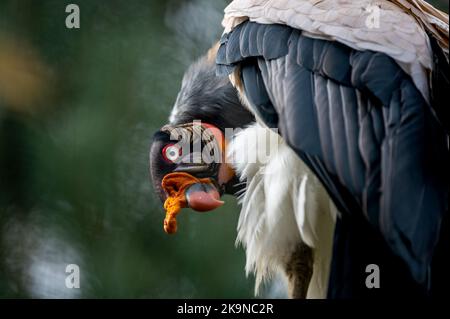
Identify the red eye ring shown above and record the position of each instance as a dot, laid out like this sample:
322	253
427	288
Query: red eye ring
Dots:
171	152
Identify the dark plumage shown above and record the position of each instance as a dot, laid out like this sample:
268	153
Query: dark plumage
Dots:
358	121
209	98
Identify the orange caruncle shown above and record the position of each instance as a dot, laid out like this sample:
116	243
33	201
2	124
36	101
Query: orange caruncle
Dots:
175	185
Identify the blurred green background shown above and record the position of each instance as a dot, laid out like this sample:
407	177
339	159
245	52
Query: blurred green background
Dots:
78	108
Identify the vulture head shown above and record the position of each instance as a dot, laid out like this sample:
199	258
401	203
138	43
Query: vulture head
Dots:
190	148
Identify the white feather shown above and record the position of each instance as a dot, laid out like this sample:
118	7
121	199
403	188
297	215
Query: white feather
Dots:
283	205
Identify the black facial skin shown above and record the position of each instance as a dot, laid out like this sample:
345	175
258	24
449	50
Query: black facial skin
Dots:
159	167
207	98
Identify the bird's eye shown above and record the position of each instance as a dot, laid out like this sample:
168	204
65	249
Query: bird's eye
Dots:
171	152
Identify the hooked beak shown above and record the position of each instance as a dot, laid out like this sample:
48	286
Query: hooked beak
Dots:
203	197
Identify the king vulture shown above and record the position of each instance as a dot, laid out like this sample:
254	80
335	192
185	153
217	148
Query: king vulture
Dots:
353	95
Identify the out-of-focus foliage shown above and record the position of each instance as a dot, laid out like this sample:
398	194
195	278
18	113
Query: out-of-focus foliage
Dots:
77	112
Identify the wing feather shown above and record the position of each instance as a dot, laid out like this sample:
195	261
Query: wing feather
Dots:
399	179
346	22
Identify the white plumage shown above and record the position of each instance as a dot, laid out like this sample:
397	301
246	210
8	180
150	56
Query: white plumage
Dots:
283	204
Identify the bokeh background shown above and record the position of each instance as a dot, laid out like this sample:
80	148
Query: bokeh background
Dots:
78	108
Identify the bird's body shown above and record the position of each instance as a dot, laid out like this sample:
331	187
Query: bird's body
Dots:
354	104
359	107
